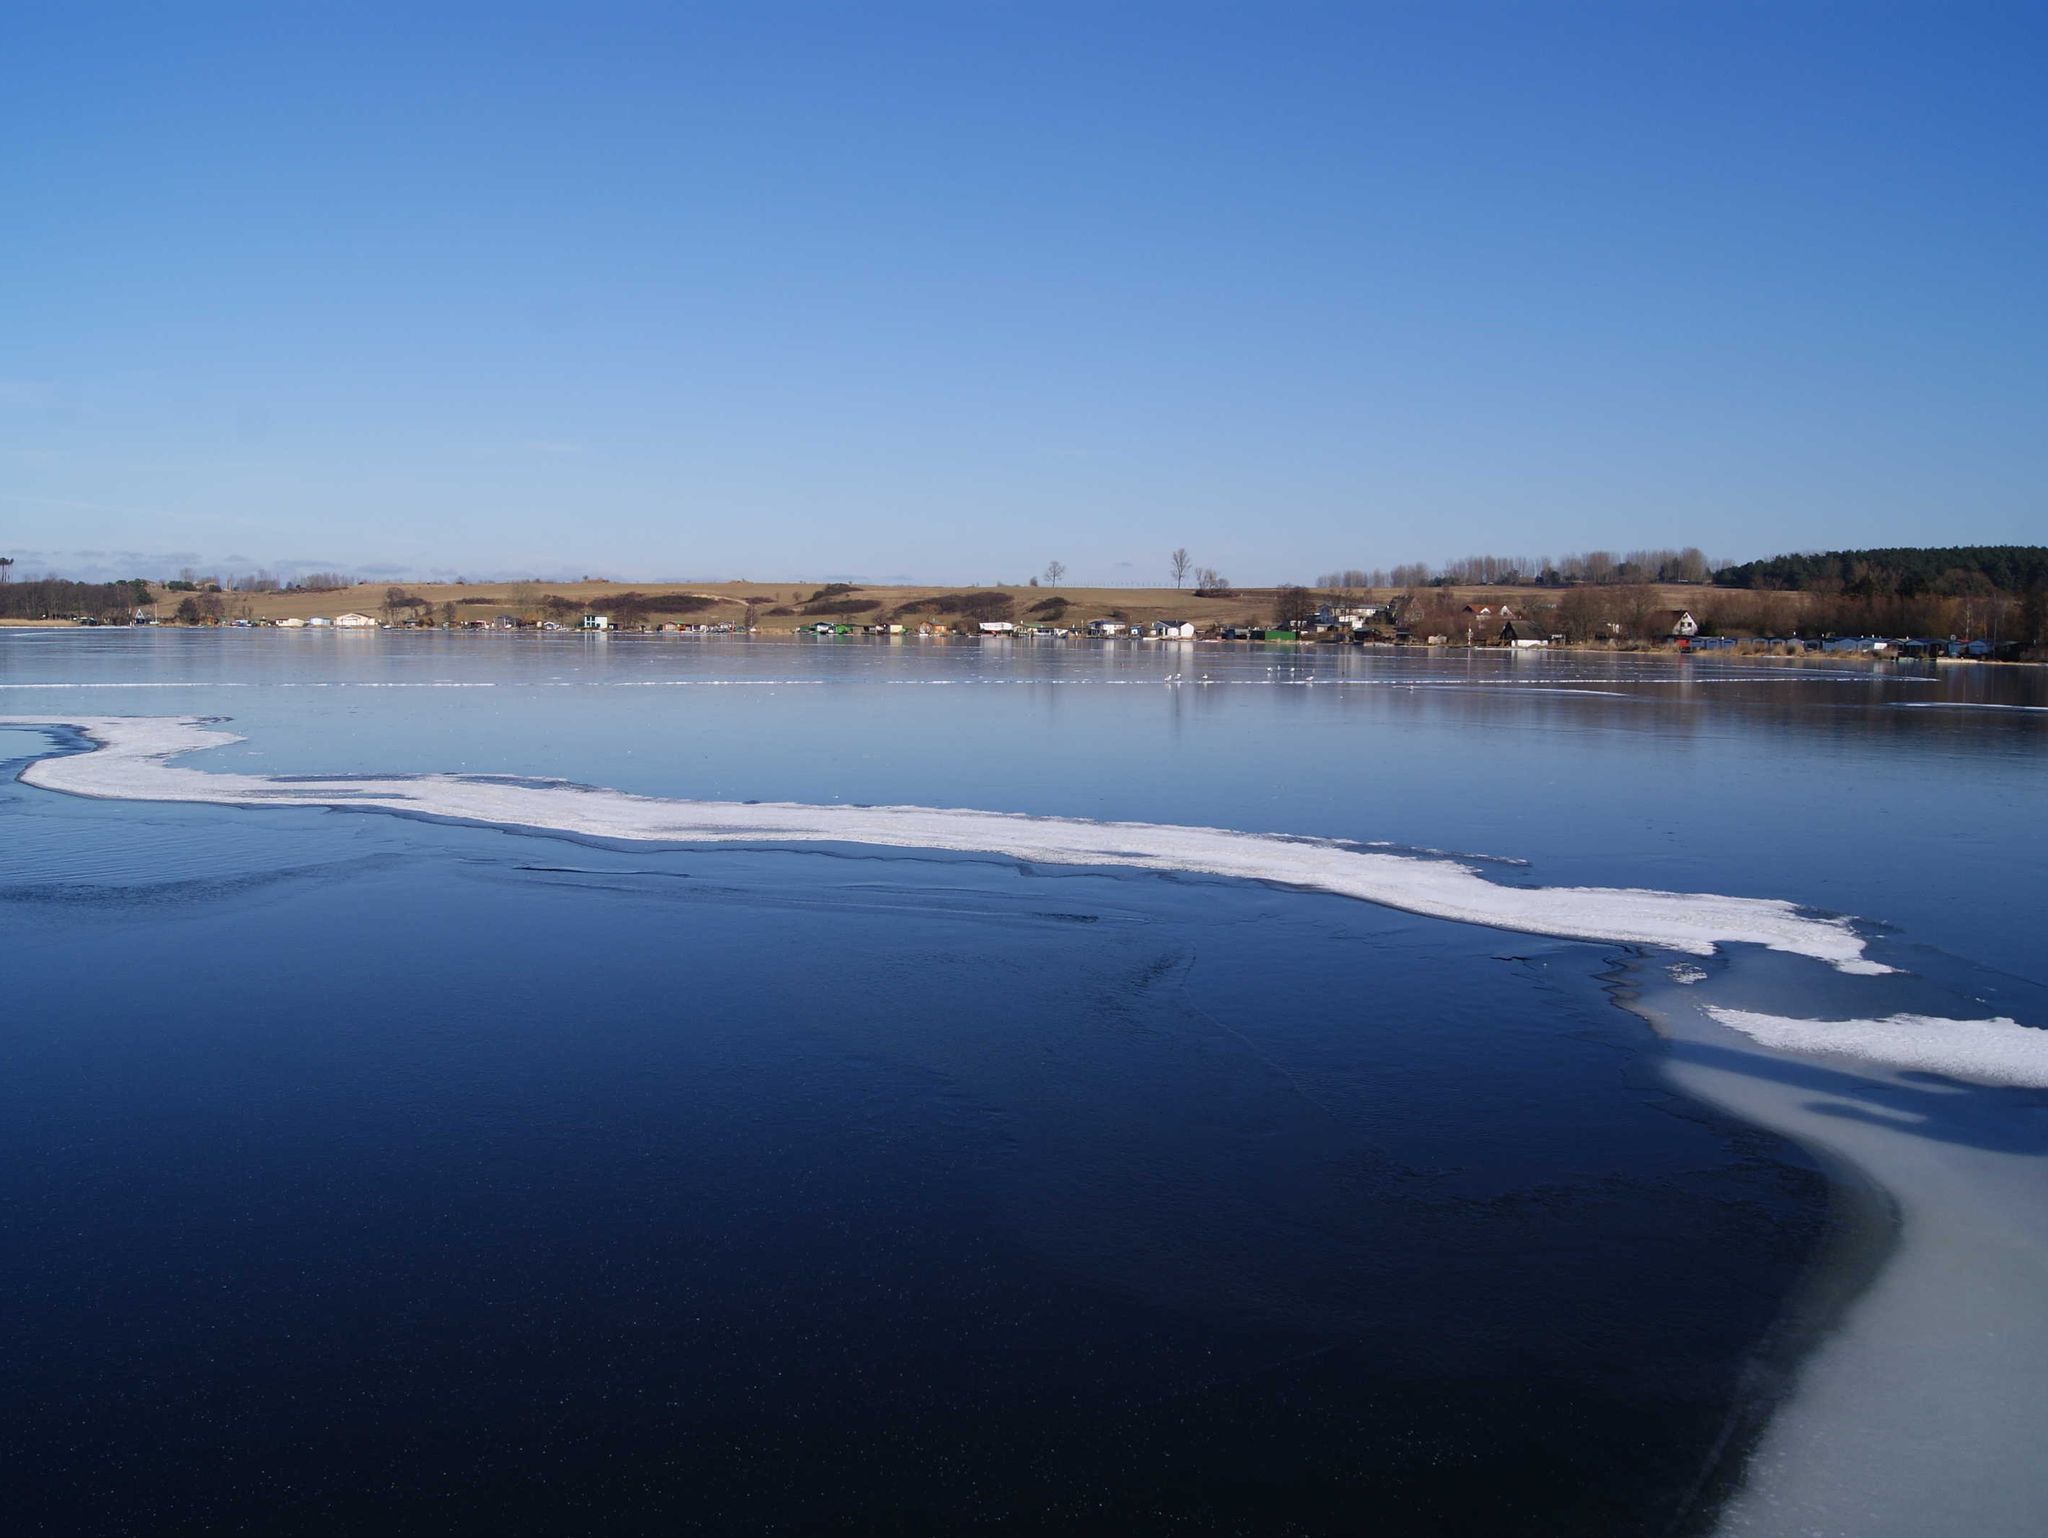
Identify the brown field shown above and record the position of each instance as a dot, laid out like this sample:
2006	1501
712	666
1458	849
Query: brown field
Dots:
728	601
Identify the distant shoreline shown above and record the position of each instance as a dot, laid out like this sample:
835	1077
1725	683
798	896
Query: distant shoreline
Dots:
1743	647
1585	616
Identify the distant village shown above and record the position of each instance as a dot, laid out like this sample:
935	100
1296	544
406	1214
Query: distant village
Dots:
1393	622
1965	602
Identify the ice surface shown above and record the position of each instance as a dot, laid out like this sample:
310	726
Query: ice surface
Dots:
1919	1412
1966	705
130	763
1998	1051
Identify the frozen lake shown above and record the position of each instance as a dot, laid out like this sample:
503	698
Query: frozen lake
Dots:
1667	1156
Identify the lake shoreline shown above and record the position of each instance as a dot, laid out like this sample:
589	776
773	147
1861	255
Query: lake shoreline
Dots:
1744	649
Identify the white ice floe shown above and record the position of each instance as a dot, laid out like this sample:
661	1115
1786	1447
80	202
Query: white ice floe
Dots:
1919	1409
131	763
1997	1051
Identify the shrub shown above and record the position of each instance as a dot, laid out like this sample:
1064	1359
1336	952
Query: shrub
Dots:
638	606
977	606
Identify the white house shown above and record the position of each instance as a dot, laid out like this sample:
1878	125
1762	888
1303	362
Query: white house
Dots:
354	621
317	622
1105	627
1674	623
597	622
997	627
290	622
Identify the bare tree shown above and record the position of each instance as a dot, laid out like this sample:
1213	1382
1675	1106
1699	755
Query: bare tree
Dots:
1293	606
1055	573
1181	561
1634	606
1588	614
2033	622
6	561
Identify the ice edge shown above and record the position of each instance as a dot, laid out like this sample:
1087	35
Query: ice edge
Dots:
131	762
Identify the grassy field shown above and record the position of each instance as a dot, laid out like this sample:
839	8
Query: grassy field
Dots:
717	602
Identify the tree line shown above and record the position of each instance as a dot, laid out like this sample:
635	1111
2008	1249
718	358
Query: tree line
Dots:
1905	572
190	581
1599	568
60	598
1640	612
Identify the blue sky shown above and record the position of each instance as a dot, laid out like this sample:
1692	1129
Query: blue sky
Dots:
948	292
